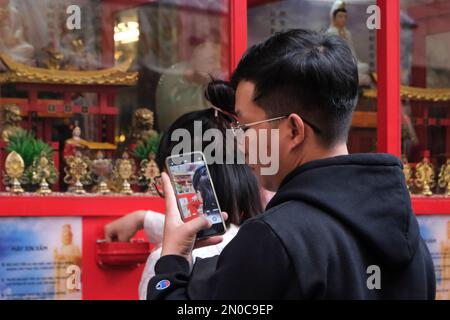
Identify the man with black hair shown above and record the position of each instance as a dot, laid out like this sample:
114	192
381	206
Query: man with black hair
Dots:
340	226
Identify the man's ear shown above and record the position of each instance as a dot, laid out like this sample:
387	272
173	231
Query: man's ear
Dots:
296	129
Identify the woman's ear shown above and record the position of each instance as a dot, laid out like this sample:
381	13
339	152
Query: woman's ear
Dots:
296	129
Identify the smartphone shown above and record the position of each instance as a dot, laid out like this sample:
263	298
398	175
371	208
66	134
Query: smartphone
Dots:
194	191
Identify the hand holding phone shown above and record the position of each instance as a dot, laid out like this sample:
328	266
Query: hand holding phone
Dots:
180	238
194	191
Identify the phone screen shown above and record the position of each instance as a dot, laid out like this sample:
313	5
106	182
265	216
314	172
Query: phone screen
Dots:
195	192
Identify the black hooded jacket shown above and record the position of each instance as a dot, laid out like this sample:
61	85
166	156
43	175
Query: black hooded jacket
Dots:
338	228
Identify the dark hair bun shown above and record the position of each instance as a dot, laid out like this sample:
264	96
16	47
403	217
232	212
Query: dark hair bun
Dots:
221	95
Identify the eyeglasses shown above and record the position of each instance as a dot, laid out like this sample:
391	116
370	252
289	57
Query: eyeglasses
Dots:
235	126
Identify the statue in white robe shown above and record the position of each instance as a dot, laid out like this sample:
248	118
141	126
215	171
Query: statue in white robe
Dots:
338	26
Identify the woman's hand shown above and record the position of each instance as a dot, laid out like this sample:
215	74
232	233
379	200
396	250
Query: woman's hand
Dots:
180	237
125	228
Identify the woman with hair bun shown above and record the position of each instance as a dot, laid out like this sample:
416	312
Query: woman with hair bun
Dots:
236	186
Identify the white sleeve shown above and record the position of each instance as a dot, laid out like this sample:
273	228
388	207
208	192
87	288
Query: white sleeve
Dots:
148	273
154	226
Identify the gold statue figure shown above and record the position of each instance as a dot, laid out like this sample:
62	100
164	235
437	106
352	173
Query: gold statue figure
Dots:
15	168
77	172
10	123
408	172
43	172
148	172
425	176
444	178
124	170
142	129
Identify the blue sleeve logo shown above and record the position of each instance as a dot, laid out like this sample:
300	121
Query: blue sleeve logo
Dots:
163	284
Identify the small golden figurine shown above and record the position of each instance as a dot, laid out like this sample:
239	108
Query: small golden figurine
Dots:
142	128
425	176
408	172
101	169
124	169
148	172
444	178
43	172
10	121
77	172
15	168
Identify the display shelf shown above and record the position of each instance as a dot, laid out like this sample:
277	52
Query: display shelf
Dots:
117	205
73	205
431	205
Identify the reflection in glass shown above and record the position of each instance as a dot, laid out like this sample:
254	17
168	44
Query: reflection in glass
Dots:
348	20
425	91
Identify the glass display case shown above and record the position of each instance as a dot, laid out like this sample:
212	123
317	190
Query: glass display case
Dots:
86	89
268	17
425	94
109	85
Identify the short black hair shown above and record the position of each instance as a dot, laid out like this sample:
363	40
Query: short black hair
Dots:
310	73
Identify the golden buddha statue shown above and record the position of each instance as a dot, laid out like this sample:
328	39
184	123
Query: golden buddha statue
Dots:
425	176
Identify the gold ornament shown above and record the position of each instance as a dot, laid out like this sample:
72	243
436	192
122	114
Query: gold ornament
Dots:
18	72
43	171
101	169
124	169
444	178
142	129
77	172
425	176
15	168
408	172
54	60
148	172
10	123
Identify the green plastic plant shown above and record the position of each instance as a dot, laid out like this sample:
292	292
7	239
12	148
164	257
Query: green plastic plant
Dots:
28	147
144	148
